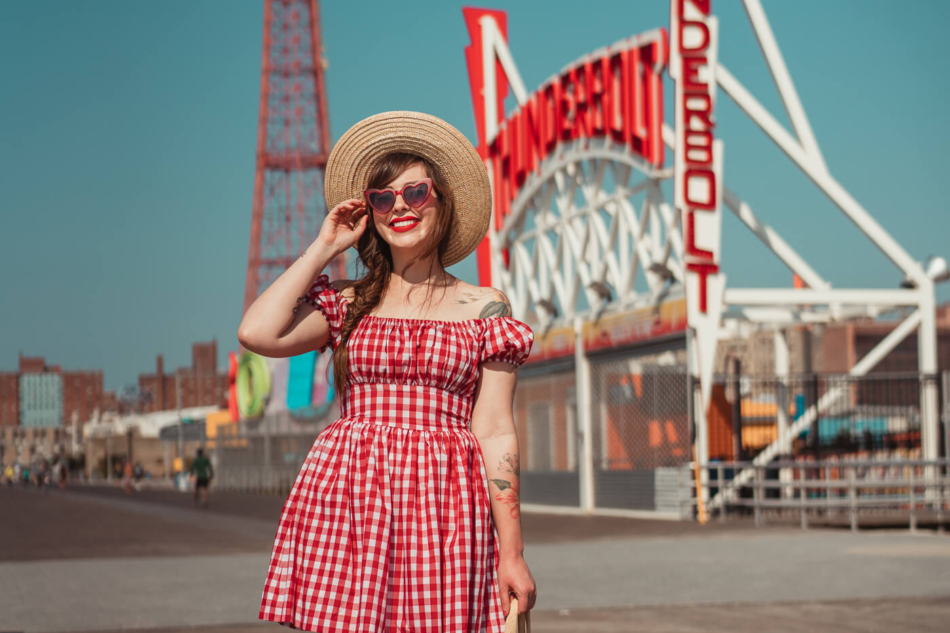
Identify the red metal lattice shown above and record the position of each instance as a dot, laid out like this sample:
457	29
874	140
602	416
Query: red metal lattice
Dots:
293	141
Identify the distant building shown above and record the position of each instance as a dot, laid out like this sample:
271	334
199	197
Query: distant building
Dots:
755	351
9	399
41	400
38	395
831	348
82	394
845	344
201	384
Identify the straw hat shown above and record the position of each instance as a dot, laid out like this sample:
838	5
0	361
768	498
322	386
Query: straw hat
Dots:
356	152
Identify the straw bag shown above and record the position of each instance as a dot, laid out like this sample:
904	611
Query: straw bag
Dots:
515	622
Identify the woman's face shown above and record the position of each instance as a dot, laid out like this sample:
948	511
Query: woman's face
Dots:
404	227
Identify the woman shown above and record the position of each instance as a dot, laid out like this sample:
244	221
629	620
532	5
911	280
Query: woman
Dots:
405	514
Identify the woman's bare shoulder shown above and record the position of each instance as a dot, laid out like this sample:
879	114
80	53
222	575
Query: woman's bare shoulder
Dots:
485	301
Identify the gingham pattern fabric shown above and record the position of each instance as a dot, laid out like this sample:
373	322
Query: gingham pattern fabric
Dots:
388	526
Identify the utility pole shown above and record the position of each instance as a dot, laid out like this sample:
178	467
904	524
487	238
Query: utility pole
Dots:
181	436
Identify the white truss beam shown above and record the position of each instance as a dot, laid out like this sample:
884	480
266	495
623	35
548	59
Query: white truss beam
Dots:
810	296
783	81
819	175
584	237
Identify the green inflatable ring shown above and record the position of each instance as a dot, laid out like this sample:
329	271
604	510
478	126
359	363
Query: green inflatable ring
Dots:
252	384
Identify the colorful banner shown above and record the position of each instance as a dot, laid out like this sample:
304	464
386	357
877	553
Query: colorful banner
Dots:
300	380
635	326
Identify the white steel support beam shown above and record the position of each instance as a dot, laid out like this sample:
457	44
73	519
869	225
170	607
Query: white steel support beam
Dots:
783	81
819	175
927	366
585	429
781	317
774	241
810	296
781	374
764	232
698	415
781	398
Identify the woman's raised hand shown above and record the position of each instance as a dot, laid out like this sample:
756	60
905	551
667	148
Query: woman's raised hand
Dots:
344	225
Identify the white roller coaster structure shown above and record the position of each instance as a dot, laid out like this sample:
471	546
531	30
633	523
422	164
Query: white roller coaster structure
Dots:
577	221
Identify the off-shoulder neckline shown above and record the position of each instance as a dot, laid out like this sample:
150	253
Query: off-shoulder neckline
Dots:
421	321
441	321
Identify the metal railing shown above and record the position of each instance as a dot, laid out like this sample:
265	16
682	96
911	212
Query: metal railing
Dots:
255	479
831	489
263	456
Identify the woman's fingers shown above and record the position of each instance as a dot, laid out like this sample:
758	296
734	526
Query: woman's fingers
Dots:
361	225
355	216
352	208
347	206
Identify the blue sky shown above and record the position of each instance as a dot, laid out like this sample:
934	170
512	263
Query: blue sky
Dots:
129	131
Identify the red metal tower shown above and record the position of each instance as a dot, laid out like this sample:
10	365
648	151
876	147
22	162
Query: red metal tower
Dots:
293	141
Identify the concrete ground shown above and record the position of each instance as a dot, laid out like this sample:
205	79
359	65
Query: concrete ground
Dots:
93	559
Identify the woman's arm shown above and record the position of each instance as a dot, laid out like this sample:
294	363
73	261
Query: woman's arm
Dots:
493	425
271	327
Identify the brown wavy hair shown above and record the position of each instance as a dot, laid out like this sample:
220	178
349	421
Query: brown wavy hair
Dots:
376	257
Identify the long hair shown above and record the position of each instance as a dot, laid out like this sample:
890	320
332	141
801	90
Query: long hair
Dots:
376	257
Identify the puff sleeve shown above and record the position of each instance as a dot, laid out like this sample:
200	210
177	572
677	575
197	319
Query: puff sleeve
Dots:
331	304
506	339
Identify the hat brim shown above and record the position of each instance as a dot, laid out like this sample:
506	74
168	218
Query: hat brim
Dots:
358	150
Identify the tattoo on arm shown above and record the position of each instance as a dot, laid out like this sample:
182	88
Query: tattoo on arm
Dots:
501	483
509	489
509	463
498	306
468	297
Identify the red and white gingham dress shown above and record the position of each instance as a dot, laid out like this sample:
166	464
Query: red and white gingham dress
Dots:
388	527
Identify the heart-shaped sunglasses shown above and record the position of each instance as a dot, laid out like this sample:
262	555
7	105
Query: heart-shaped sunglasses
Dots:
415	195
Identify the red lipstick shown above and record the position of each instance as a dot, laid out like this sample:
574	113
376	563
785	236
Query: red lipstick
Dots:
404	226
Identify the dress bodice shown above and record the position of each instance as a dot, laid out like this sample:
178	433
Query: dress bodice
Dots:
420	372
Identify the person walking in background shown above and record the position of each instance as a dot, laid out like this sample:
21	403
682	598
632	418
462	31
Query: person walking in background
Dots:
38	475
127	476
9	474
62	471
203	473
44	476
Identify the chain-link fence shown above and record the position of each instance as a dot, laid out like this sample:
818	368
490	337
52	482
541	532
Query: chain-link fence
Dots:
640	430
263	455
545	412
641	435
833	422
874	416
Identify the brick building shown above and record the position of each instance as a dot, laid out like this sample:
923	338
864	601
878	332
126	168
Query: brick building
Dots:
756	352
201	384
845	344
832	348
82	393
9	399
41	395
